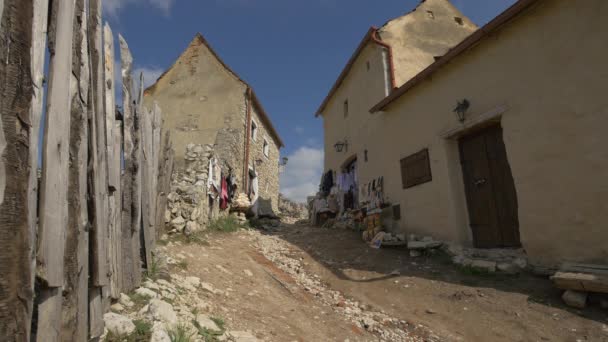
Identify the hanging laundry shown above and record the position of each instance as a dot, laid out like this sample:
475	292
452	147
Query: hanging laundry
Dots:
224	194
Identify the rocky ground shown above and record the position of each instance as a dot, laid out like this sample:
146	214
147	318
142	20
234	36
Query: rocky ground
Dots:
298	283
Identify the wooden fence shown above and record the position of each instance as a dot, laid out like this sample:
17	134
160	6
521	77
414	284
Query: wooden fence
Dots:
84	231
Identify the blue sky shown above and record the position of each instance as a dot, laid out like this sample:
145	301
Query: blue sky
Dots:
290	51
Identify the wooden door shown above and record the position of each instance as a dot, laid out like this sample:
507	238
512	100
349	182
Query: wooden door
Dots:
490	190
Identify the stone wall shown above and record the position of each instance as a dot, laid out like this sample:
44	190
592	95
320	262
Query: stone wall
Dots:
267	166
188	208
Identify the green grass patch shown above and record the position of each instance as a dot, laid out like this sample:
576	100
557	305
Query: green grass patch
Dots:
180	333
142	333
224	225
183	264
153	270
139	300
209	335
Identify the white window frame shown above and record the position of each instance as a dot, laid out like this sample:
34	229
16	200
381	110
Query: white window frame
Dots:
254	130
266	148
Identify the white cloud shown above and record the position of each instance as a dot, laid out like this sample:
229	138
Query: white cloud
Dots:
112	7
151	74
299	129
302	174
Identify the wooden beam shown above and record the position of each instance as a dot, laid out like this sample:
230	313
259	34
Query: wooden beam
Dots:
17	104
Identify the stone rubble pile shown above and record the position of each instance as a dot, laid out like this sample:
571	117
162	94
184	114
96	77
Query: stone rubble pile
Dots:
509	261
386	328
290	211
165	304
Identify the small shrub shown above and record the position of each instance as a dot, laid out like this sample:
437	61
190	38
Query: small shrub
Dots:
153	269
139	300
225	225
142	333
220	322
208	334
180	333
182	264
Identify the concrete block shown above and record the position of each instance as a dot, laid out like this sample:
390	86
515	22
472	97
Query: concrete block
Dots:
575	299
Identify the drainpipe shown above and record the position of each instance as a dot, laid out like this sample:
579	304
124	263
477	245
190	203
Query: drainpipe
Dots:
391	65
247	141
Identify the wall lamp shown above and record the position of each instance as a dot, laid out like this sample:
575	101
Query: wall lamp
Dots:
461	109
341	145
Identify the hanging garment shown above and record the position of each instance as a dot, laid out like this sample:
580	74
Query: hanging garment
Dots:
254	196
327	182
224	194
231	186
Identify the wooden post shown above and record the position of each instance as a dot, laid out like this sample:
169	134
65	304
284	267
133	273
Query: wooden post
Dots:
117	262
147	191
55	164
53	192
130	180
18	103
114	153
100	271
74	322
38	49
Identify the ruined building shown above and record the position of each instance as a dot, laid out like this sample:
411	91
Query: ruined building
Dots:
219	130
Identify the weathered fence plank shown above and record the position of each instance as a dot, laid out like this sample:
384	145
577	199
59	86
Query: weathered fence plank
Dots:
100	272
53	192
114	168
147	160
117	262
16	96
95	313
130	190
38	49
55	163
72	319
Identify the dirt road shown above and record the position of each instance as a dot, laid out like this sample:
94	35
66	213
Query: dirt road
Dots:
311	284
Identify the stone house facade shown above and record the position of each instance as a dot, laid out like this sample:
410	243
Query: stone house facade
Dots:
214	114
500	142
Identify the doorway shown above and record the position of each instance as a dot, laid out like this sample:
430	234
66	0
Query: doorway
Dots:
490	189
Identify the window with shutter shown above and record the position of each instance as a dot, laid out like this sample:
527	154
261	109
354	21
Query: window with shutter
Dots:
416	169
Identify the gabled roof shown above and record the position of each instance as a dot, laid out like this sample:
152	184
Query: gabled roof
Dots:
468	43
254	99
370	36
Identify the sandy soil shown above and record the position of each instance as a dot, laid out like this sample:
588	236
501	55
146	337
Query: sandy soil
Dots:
430	298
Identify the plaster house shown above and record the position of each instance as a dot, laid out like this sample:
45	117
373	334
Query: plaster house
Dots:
500	142
205	103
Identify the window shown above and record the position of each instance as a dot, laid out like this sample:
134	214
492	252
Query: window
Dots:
266	148
254	130
458	20
368	65
416	169
430	14
346	108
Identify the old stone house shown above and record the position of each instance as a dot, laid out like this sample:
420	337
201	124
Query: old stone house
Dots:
498	142
215	117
